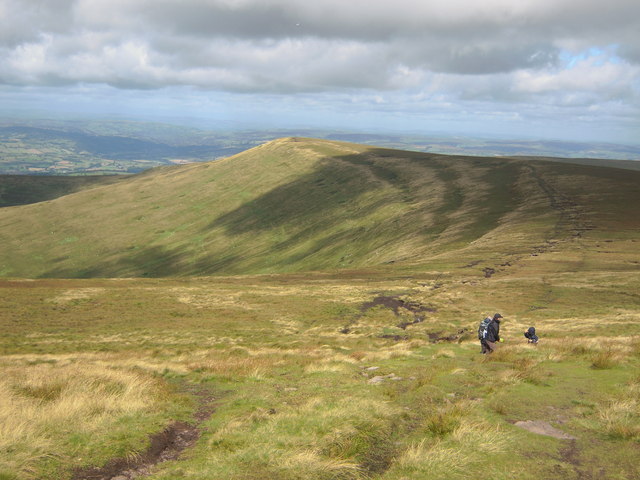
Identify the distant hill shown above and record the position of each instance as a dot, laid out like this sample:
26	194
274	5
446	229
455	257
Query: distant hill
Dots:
461	145
95	147
598	162
299	204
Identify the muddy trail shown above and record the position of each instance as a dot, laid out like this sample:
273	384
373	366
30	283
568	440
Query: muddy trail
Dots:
571	225
397	305
164	446
410	312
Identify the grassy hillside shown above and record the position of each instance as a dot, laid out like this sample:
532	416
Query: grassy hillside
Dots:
595	162
23	189
365	369
299	205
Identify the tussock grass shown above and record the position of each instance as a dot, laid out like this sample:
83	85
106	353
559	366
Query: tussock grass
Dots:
394	351
601	352
234	367
444	353
431	458
311	464
454	456
525	365
445	419
341	438
42	404
621	418
604	359
327	366
498	404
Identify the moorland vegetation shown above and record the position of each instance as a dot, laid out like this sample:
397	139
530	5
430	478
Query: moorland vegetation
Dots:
307	309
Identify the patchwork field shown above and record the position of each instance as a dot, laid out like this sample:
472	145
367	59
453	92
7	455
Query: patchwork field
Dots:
368	368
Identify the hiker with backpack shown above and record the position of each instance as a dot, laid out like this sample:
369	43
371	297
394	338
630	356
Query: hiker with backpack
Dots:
489	333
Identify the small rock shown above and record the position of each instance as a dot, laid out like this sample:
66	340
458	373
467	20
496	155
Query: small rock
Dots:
372	369
375	380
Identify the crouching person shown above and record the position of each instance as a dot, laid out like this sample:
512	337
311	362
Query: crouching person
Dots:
531	336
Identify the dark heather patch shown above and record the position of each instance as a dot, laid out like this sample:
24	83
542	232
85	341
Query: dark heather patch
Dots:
395	304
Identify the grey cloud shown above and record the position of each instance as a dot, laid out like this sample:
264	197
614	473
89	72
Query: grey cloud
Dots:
367	20
631	52
294	46
478	57
27	20
210	19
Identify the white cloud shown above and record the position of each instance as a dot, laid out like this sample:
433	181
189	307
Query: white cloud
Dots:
594	75
455	36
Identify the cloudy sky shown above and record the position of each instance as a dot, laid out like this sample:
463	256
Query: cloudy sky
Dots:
567	69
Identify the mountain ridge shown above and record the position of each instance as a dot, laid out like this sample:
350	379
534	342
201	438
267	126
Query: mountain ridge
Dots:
296	204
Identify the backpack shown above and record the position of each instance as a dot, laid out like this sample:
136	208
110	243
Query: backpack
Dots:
530	334
482	329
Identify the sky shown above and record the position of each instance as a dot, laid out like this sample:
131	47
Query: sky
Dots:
548	69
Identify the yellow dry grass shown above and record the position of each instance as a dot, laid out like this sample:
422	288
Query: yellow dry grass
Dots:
42	404
451	457
77	294
310	464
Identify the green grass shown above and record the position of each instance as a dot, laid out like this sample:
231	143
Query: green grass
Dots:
308	379
294	396
24	189
296	205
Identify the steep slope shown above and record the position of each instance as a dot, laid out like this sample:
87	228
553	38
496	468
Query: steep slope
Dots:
303	204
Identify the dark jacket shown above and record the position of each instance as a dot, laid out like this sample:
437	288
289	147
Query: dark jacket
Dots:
493	331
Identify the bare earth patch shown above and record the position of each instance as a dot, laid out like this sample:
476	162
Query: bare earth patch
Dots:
78	294
543	428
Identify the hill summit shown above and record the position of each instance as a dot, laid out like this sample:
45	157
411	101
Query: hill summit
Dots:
298	204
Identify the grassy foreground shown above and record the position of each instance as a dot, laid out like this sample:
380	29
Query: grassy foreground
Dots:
91	367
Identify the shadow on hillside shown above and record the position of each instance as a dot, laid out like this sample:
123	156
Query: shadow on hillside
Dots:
155	261
26	189
311	206
306	200
323	210
329	218
333	188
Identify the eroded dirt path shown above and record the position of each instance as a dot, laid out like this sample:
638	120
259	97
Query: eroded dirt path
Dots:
571	224
543	428
164	446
